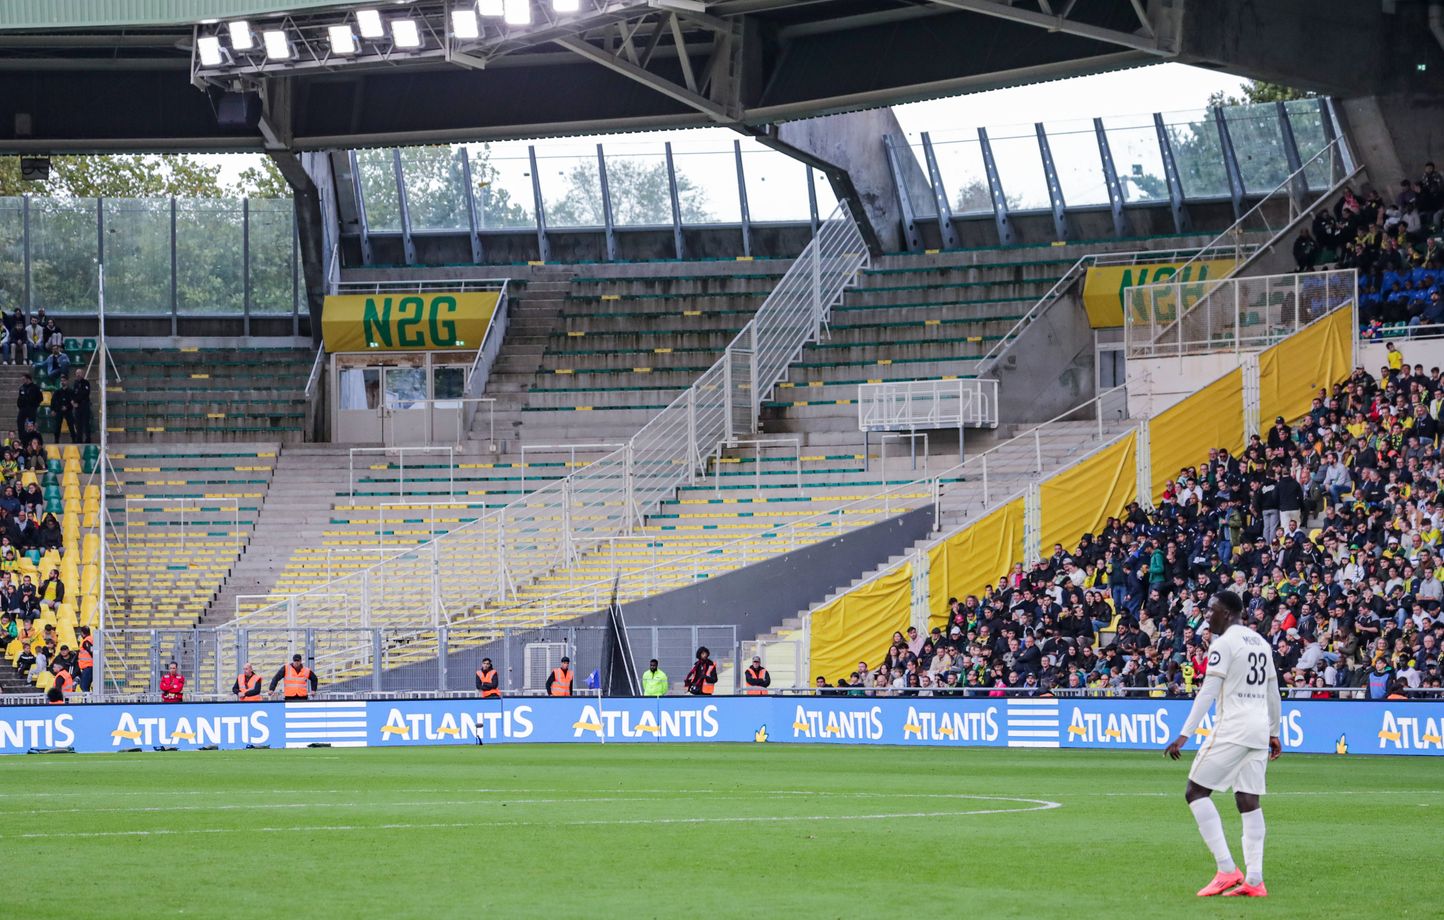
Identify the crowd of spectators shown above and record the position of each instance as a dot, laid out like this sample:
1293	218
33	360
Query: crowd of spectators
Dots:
1396	242
1331	531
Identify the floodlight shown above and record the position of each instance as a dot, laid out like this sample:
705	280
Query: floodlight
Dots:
241	37
518	12
566	6
369	22
208	47
343	40
405	33
493	8
464	24
277	47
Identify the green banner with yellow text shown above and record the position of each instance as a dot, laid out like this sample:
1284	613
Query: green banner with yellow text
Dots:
1105	286
406	322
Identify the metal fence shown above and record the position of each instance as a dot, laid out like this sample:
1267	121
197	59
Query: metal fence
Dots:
1229	314
486	562
441	661
918	405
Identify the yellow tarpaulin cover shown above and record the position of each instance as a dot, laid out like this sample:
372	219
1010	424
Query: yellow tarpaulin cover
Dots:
1082	498
974	558
1292	372
406	322
1104	287
1182	434
858	626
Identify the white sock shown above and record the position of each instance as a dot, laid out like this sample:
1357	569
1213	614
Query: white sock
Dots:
1210	825
1253	841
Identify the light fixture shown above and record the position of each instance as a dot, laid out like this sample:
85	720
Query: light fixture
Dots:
493	8
518	12
566	6
369	22
343	40
241	37
277	47
208	48
405	33
464	24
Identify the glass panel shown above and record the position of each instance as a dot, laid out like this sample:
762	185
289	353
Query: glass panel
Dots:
1259	146
378	189
572	189
62	254
707	182
273	252
1197	153
965	179
1074	145
360	388
641	192
12	251
137	255
1020	167
448	383
208	256
501	182
913	162
1308	127
434	196
1133	142
406	388
776	186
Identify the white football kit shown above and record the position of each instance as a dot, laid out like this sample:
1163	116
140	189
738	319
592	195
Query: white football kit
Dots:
1242	679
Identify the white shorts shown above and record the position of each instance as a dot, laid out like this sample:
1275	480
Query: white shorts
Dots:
1230	766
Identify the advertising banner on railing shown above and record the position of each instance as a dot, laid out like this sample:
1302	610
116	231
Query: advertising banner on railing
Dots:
406	322
1308	726
1105	288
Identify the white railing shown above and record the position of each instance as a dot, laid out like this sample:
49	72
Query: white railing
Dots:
919	405
489	559
759	445
400	467
594	447
448	285
185	512
1260	220
1240	313
488	349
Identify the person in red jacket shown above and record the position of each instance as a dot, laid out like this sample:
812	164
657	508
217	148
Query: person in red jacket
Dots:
172	685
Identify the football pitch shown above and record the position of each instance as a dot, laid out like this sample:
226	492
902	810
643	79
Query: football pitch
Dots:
696	830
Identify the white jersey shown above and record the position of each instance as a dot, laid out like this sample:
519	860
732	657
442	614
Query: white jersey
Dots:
1246	663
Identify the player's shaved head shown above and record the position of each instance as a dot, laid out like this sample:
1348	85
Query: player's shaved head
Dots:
1224	609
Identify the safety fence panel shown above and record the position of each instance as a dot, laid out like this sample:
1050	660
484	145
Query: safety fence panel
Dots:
974	558
858	626
1293	372
1081	498
915	405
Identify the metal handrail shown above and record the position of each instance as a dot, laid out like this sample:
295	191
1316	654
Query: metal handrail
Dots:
452	285
315	376
919	404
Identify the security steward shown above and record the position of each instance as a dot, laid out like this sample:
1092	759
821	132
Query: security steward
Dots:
702	679
86	659
559	682
488	684
298	681
247	687
757	678
654	680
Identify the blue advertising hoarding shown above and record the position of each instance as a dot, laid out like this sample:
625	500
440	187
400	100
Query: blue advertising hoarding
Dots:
1324	727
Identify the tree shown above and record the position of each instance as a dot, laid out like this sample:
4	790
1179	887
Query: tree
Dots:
639	191
435	196
975	196
1259	91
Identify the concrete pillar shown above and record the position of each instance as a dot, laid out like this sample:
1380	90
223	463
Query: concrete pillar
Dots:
311	180
848	148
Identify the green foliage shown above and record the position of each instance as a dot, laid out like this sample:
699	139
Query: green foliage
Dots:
639	193
435	196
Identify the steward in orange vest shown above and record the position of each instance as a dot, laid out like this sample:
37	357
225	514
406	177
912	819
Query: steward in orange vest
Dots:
487	681
559	682
299	680
86	659
757	678
247	687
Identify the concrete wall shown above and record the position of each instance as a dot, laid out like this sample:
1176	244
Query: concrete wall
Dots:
1049	368
1428	352
1154	384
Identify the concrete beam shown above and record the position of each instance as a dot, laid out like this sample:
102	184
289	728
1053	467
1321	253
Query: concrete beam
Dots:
848	149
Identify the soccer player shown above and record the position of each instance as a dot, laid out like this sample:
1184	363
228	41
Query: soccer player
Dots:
1240	676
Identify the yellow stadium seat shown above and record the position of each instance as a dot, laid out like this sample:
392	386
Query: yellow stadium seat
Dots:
43	681
90	522
92	492
70	451
28	478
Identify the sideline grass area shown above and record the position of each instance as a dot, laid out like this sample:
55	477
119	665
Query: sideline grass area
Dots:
708	831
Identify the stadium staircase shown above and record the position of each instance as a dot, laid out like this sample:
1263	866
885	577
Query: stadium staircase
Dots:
209	394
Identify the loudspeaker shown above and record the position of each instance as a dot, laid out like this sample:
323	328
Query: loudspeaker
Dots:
238	111
35	169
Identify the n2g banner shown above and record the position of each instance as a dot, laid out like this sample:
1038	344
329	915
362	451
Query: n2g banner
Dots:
406	322
1308	726
1105	289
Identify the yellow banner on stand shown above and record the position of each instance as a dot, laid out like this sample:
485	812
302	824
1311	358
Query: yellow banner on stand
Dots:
407	322
1105	287
859	625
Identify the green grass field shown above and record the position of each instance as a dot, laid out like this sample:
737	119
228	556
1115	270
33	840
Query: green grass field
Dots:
707	831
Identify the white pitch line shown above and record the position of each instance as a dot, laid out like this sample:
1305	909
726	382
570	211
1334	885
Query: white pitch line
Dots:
1033	805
